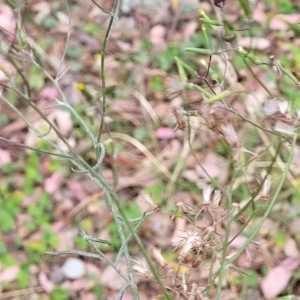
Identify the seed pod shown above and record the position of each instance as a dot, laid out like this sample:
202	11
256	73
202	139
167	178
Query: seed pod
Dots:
185	66
211	21
217	97
200	51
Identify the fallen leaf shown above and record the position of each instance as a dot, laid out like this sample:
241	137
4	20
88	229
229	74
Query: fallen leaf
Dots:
111	279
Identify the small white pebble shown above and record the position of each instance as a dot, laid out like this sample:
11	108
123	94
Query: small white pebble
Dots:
73	268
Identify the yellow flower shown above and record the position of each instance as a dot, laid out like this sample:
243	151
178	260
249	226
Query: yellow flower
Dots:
80	86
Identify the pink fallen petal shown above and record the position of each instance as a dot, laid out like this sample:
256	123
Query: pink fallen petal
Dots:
8	69
216	167
57	226
76	190
45	283
110	278
278	278
8	23
164	133
291	263
258	43
63	120
157	34
5	157
275	282
291	249
9	274
189	30
280	22
78	285
53	183
49	93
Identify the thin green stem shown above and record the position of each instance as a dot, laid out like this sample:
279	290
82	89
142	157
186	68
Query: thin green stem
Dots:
223	266
35	149
271	204
103	77
145	254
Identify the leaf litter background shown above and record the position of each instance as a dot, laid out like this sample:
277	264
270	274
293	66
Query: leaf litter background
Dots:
44	204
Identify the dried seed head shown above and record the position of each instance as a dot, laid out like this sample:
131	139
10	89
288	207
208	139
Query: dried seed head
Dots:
141	267
209	115
174	87
206	193
185	209
189	243
159	258
280	113
181	122
284	107
266	181
285	127
229	134
217	198
190	124
236	209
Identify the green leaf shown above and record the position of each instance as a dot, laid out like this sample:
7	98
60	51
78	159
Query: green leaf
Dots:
7	221
59	294
156	191
156	83
73	52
